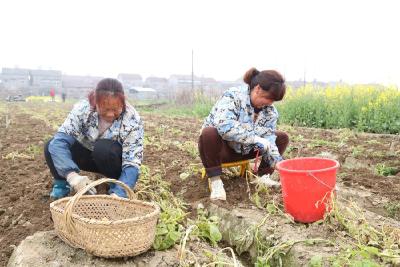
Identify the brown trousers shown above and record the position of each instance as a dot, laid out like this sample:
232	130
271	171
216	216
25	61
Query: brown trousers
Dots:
214	151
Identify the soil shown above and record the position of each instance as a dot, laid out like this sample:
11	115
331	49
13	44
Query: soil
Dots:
305	142
26	182
24	185
46	249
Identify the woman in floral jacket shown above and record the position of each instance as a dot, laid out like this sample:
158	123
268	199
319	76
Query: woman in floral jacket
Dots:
103	134
242	122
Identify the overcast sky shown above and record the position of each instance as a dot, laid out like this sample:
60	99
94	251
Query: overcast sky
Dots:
356	41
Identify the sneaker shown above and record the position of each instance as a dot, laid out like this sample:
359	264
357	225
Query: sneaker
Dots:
217	189
60	189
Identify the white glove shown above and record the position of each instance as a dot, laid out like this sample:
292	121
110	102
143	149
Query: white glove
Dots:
78	182
266	181
262	144
114	195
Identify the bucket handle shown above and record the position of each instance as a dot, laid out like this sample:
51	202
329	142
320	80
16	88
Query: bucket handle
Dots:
67	214
321	182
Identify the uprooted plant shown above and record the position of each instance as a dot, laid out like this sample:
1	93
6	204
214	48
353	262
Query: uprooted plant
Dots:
205	227
359	243
369	245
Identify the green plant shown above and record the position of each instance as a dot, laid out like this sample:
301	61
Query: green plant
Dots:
272	255
378	154
177	132
384	170
261	196
47	138
219	259
355	257
191	169
316	261
393	209
373	142
160	130
33	150
368	245
153	141
321	143
361	107
291	151
357	151
298	138
270	250
206	227
190	147
169	229
152	186
17	155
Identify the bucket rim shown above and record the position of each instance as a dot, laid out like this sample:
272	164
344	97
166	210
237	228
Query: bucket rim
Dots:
279	168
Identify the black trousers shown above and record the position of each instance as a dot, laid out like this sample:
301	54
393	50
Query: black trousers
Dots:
106	158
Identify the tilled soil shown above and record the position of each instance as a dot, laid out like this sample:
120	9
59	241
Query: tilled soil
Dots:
24	184
170	148
367	150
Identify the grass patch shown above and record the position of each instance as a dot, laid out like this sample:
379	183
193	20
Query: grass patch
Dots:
198	110
393	209
384	170
321	143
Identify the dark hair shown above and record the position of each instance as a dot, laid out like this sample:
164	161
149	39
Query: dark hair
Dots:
269	80
105	88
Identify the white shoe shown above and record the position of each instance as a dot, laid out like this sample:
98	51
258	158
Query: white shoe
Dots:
267	181
217	189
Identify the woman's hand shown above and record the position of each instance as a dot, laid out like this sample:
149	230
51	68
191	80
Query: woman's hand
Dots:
263	144
78	182
129	176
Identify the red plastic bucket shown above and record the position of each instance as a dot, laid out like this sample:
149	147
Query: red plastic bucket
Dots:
307	184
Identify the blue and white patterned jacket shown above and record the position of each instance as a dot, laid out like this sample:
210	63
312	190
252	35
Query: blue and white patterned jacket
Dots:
233	115
82	124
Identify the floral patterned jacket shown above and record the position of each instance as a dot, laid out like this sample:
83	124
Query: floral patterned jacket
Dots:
233	115
82	124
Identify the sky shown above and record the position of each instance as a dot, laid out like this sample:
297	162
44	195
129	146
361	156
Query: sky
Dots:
349	40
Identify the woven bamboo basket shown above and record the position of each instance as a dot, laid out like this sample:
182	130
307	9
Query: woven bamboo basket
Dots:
103	225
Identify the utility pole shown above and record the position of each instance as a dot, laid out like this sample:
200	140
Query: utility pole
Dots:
192	73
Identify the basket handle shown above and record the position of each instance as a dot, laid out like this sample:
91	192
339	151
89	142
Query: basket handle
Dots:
67	215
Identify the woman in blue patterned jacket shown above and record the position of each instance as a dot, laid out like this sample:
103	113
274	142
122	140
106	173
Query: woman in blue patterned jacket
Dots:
242	122
103	134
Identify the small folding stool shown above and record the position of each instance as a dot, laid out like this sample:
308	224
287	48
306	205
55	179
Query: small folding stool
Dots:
243	164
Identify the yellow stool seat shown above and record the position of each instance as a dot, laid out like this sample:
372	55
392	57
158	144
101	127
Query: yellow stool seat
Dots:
243	164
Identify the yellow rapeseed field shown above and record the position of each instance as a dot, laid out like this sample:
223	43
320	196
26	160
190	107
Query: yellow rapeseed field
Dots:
363	107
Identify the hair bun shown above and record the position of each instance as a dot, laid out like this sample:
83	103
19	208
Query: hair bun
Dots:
250	74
